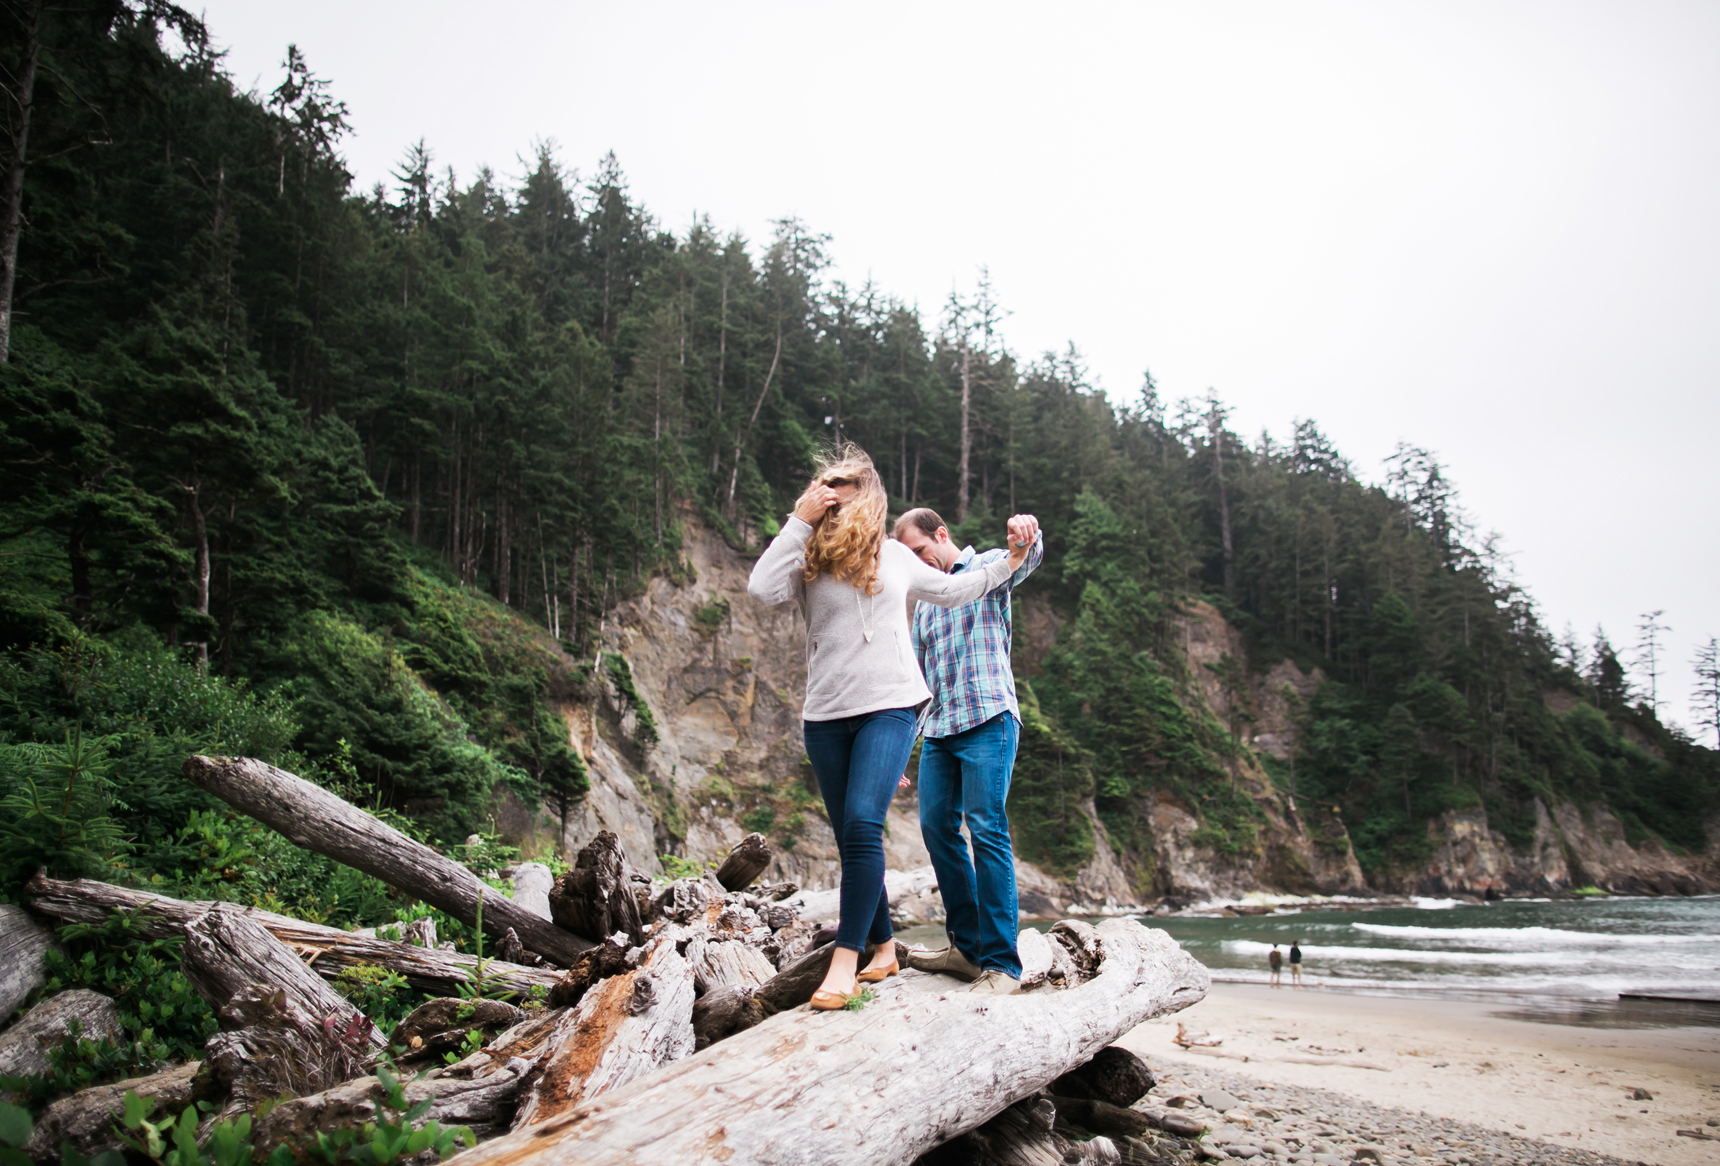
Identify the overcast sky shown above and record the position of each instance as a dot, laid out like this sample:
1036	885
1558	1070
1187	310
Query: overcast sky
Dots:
1490	229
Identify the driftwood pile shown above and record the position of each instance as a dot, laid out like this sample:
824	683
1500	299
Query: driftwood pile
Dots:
648	1022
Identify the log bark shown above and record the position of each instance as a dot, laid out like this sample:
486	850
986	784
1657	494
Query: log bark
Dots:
287	1032
87	1119
481	1091
625	1027
327	949
745	863
24	944
921	1064
319	821
595	899
24	1047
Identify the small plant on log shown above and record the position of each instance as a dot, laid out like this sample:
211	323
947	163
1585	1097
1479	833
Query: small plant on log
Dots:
475	988
173	1141
859	1000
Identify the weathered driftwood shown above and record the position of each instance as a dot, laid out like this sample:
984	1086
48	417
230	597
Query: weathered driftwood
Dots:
730	963
225	952
1114	1075
319	821
481	1091
328	949
625	1027
24	1047
440	1026
532	881
87	1119
745	863
1101	1117
1025	1134
922	1063
285	1030
595	899
23	945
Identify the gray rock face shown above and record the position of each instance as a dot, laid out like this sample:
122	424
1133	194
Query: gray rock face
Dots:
24	1047
23	944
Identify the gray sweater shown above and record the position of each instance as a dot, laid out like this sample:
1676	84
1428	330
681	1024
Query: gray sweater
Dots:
847	675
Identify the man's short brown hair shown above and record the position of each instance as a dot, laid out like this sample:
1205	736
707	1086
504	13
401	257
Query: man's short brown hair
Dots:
922	518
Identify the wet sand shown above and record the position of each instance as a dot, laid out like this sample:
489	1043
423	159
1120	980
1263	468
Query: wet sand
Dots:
1561	1084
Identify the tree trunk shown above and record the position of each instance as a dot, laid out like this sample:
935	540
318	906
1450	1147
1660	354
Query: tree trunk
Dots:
595	899
286	1032
319	821
967	437
23	101
1217	428
743	434
744	863
328	950
201	528
922	1064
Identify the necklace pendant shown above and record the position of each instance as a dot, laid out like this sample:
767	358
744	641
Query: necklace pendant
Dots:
868	636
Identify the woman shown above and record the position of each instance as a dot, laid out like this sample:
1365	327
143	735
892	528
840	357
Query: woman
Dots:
863	685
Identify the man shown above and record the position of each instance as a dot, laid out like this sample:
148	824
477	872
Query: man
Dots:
971	730
1296	964
1275	963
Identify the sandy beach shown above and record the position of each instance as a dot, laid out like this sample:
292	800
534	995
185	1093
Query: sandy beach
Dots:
1562	1084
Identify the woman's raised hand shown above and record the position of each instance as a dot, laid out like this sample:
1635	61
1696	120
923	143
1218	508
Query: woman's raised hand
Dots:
813	504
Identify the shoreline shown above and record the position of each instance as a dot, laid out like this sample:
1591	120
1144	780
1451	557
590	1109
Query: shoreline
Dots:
1460	1060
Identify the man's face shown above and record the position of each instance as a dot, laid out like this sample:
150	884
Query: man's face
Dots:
935	550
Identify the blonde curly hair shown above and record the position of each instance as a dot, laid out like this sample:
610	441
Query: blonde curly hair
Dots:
845	542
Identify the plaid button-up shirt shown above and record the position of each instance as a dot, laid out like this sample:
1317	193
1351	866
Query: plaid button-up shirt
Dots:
964	651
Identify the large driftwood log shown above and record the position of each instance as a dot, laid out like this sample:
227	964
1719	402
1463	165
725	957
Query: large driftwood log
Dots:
319	821
624	1027
595	899
287	1031
24	944
921	1064
328	949
744	863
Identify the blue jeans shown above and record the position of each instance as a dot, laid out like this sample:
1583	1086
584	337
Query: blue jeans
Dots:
858	761
967	776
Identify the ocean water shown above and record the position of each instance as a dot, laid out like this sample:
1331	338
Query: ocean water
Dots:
1566	961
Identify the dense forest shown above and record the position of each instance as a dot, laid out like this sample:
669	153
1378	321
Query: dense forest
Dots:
346	479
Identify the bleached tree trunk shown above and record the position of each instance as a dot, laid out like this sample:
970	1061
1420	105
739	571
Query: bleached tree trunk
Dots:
319	821
922	1063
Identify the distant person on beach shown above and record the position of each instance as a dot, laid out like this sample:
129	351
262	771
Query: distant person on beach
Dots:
1275	962
1296	964
972	729
864	691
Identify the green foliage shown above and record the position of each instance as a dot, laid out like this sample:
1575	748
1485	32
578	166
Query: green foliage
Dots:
162	1019
675	867
621	675
382	995
57	813
15	1130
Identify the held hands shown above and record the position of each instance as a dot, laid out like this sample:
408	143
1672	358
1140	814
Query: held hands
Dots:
813	504
1023	530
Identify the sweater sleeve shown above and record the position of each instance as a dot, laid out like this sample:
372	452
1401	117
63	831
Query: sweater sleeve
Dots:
775	578
934	587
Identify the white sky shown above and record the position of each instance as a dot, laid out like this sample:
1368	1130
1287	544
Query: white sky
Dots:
1491	229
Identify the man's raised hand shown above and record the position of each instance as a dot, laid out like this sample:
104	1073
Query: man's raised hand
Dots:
1023	530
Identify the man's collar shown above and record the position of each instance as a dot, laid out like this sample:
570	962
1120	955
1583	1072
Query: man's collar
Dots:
962	560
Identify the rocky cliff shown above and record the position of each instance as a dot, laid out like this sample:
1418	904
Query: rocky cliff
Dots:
717	680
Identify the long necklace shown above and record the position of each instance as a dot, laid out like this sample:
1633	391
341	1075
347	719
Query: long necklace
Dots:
864	630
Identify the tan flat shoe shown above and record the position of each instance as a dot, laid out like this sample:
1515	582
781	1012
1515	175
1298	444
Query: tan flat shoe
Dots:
876	975
823	1001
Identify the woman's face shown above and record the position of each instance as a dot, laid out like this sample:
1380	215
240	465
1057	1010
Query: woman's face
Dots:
844	491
